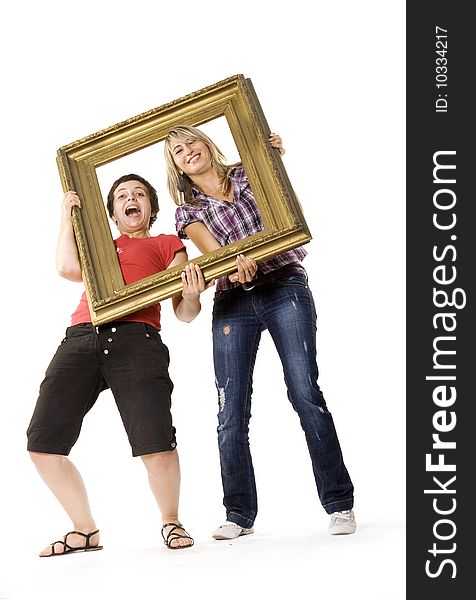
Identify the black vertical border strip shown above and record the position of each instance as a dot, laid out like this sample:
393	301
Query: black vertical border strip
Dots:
428	132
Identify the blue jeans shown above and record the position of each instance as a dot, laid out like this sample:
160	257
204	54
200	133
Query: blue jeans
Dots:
286	308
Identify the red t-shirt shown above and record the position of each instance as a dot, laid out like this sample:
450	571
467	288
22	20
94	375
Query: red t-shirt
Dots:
139	258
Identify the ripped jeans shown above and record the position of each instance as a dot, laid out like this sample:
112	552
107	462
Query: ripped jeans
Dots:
285	308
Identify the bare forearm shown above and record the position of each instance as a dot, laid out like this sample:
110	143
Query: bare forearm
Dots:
187	304
67	260
186	309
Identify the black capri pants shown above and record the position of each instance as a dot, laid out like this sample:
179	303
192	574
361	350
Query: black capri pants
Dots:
130	359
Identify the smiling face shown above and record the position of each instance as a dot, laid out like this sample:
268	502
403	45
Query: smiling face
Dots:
191	156
131	208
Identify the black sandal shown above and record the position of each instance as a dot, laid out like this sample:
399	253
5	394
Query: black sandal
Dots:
173	535
67	549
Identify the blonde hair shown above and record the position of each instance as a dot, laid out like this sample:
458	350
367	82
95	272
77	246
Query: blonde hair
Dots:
179	184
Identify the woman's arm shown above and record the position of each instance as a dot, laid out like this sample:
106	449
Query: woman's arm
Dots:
187	304
67	260
202	238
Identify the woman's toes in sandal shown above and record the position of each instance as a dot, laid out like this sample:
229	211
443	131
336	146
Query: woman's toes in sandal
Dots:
175	537
62	547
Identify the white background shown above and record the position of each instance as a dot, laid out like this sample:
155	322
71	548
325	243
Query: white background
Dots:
331	82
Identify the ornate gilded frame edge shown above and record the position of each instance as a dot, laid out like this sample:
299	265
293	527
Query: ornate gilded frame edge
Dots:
284	223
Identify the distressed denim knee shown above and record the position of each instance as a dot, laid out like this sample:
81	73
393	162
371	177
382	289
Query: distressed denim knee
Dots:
289	313
236	335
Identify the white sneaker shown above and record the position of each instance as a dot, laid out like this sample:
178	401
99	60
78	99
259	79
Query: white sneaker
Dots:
342	523
230	531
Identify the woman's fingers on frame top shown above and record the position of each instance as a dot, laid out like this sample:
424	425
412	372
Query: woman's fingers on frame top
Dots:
192	278
201	279
246	263
246	269
70	199
276	142
189	274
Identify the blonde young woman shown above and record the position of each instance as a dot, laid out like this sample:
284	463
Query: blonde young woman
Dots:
216	207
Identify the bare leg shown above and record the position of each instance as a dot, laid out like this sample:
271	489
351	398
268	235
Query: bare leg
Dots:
164	478
64	480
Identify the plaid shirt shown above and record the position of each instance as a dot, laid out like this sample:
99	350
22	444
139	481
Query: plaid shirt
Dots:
229	222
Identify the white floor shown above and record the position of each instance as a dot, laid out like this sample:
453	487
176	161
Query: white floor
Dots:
290	554
355	266
283	564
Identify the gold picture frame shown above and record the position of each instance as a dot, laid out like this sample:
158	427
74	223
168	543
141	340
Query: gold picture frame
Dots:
284	224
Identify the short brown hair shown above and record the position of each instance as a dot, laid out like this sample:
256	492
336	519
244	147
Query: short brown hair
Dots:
151	193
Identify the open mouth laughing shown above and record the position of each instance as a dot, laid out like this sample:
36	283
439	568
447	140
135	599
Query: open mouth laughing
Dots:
132	210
